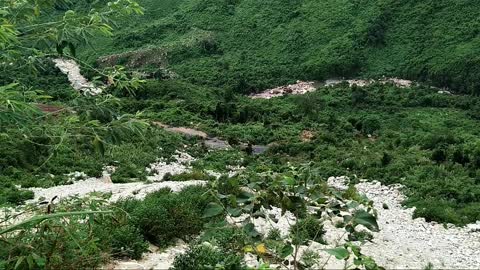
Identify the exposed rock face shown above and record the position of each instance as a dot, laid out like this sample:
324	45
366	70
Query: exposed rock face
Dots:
135	59
307	136
72	70
362	83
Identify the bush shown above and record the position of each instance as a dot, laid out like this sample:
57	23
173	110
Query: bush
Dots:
70	242
164	216
307	229
225	237
126	241
206	256
371	124
386	159
439	155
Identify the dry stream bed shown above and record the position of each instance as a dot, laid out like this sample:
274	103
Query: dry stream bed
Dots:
402	243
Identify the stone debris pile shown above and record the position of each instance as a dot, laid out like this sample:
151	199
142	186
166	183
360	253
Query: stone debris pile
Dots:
159	169
298	88
70	68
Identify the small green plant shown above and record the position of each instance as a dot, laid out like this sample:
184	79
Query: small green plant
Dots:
206	256
67	238
429	266
296	191
309	228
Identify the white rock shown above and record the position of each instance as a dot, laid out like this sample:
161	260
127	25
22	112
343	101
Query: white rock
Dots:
78	82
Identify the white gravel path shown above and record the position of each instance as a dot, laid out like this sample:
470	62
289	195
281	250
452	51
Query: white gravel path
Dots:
155	259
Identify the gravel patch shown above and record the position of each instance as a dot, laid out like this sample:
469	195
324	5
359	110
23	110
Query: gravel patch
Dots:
137	190
298	88
70	68
301	88
162	167
155	259
407	243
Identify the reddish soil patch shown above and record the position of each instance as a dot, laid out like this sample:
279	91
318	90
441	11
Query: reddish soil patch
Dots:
52	109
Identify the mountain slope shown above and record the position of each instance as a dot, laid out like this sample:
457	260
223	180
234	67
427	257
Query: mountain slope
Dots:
249	45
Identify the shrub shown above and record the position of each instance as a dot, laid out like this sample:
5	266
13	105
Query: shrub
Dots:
386	159
307	229
126	241
69	242
371	124
206	256
224	237
439	155
164	216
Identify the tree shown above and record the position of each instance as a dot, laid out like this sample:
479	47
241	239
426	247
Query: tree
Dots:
26	35
32	31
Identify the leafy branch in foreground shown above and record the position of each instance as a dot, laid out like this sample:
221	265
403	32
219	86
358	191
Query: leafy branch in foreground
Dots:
24	33
26	36
312	203
80	234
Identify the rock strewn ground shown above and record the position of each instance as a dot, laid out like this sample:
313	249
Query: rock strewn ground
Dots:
70	68
298	88
407	243
138	190
301	88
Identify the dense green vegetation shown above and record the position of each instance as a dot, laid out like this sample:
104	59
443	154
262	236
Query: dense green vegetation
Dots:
419	138
111	231
249	45
198	59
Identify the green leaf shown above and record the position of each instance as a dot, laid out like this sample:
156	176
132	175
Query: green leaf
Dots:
289	180
30	262
339	253
39	260
244	197
212	210
38	219
250	230
366	219
234	212
19	262
98	145
286	251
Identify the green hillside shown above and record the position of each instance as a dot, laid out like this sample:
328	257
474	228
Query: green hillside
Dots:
174	110
248	45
